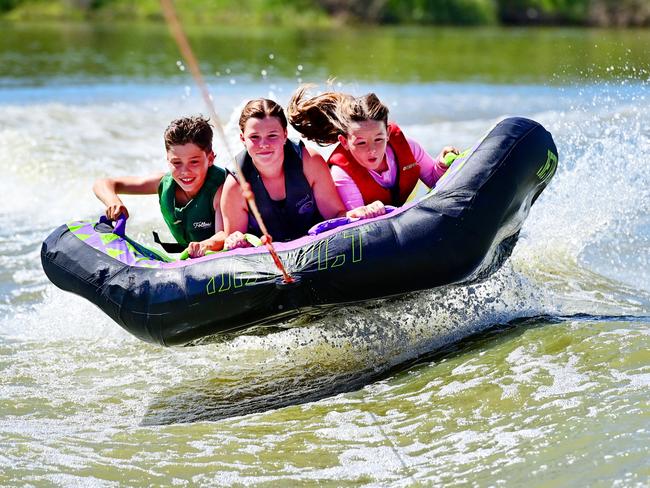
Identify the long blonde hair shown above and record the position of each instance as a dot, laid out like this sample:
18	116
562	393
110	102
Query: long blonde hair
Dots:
322	118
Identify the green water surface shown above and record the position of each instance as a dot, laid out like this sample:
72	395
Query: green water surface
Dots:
363	396
44	53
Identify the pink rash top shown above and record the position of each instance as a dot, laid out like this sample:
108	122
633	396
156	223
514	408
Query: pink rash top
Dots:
430	172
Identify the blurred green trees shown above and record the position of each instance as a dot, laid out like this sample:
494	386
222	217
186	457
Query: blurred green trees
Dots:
543	11
580	12
448	12
454	12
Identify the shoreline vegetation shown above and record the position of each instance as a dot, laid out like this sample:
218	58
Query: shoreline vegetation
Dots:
330	13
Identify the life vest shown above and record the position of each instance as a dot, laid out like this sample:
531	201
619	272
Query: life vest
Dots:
408	171
297	213
195	221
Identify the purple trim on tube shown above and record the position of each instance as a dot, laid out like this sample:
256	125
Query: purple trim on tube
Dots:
285	246
133	258
120	224
338	222
118	248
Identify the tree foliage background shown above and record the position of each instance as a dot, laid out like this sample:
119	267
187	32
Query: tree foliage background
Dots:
445	12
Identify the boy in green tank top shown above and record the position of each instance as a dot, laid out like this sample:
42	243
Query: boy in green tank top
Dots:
188	194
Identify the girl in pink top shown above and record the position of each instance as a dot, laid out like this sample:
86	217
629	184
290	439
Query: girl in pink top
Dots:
430	172
360	126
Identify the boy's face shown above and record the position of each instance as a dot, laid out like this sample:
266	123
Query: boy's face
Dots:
189	164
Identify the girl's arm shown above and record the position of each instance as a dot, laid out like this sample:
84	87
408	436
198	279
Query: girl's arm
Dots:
352	197
107	190
327	199
430	169
346	188
234	209
234	212
330	198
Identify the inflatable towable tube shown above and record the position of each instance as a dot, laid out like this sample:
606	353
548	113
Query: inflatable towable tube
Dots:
460	232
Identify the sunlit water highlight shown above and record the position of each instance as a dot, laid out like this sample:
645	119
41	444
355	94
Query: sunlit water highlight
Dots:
550	388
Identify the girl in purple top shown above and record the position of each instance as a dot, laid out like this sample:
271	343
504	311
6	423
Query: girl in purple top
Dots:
374	164
431	170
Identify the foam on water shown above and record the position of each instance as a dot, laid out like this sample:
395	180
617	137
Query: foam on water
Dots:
593	206
550	401
595	213
593	218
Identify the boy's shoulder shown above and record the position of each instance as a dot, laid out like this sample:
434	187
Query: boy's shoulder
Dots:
215	177
216	171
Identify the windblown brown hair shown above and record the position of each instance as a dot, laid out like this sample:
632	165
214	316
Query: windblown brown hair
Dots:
324	117
261	108
186	130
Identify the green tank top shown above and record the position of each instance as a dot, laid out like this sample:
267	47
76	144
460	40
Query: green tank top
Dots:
195	221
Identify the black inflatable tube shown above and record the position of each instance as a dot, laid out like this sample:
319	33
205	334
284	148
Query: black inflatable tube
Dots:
460	232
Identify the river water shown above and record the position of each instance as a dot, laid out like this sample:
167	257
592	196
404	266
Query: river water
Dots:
538	376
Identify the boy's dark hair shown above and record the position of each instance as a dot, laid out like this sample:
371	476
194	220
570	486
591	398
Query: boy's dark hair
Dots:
188	130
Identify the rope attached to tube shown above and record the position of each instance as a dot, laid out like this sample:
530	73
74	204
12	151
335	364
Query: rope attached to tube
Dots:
186	51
